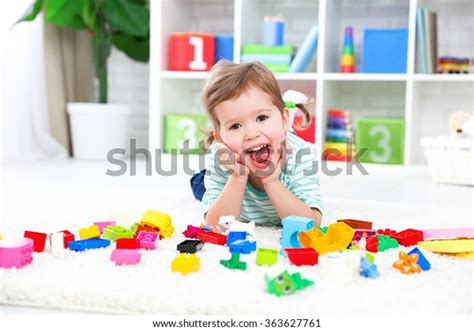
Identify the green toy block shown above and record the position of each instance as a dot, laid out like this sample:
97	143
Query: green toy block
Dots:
386	242
234	262
348	50
323	229
262	49
285	284
115	232
182	129
266	256
370	257
382	137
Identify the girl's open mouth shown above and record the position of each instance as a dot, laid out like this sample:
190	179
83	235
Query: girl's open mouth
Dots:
260	155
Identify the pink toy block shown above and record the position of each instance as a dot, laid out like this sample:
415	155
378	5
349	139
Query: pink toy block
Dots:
16	253
148	240
359	233
103	225
448	233
192	231
125	256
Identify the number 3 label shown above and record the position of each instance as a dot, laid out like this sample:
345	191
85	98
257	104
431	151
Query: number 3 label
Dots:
189	127
383	143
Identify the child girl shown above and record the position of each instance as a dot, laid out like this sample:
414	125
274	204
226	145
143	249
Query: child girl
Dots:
257	168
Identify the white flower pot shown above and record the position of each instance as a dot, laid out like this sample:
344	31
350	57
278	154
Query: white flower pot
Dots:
97	128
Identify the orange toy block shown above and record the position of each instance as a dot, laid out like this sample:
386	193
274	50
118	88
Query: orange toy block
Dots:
338	237
90	232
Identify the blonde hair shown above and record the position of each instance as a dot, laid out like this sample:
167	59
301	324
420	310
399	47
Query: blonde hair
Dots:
229	80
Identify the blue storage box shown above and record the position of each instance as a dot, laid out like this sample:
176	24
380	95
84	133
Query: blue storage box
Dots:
384	51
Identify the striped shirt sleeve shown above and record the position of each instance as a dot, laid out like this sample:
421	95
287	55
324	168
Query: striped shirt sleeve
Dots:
304	182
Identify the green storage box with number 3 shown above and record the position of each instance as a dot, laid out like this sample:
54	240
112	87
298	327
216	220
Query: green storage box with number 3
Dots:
382	137
181	128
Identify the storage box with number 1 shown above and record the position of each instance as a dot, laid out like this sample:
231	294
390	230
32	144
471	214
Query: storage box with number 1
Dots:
382	137
182	128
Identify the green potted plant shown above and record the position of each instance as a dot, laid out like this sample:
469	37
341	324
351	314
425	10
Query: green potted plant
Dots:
124	24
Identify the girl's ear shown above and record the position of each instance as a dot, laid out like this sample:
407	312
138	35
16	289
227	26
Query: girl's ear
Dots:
286	119
216	136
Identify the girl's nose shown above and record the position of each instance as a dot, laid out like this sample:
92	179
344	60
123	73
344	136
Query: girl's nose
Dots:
251	133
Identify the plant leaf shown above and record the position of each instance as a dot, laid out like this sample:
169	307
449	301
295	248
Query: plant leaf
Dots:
128	17
137	48
89	14
31	13
65	12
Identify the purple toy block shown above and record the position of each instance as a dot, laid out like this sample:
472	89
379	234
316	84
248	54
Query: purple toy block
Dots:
125	256
103	225
192	231
16	253
148	240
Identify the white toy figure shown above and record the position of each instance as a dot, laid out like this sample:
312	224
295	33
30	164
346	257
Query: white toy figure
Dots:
362	243
229	223
57	244
225	222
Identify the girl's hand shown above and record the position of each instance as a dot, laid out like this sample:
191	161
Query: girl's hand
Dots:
231	161
277	168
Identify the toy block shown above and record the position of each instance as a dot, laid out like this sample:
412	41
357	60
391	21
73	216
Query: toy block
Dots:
103	225
136	228
448	246
190	246
422	261
115	232
286	283
90	232
302	256
192	231
408	237
357	224
127	243
38	238
266	256
125	256
56	241
234	262
92	243
148	240
16	253
65	234
237	226
291	226
448	233
383	139
338	237
387	232
407	264
242	246
236	235
359	233
185	263
224	47
369	257
160	220
308	134
191	51
372	244
212	237
368	269
386	242
183	133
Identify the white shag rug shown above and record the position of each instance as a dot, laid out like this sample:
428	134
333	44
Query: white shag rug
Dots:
90	281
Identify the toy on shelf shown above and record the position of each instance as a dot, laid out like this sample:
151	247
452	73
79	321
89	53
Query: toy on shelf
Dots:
183	133
338	237
273	31
191	51
103	224
368	268
275	58
266	256
302	256
16	253
92	243
185	263
224	47
292	225
305	51
234	262
115	232
38	238
339	141
190	246
454	65
160	220
407	264
422	261
125	256
148	240
347	59
284	283
92	231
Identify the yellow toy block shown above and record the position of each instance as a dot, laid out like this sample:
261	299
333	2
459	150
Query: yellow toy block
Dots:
160	220
347	60
90	232
185	263
448	246
338	237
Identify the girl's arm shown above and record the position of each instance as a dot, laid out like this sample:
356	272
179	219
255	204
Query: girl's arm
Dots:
287	204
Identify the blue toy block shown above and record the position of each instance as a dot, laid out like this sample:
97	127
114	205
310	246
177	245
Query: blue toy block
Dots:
92	243
224	47
291	226
368	269
242	246
422	261
236	235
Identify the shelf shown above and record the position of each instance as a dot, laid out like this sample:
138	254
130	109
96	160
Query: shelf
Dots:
365	77
297	76
444	77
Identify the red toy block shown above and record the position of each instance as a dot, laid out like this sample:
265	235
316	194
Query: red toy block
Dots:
372	244
127	243
409	237
387	232
212	237
356	224
191	231
68	236
39	239
339	113
302	256
191	51
306	134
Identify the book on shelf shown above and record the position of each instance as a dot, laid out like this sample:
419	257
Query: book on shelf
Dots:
427	41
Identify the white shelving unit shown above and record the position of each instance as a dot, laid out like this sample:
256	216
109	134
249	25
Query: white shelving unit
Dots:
424	101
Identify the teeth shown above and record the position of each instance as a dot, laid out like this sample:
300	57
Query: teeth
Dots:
255	149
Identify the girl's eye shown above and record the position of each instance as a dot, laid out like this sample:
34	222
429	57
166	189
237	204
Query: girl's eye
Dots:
261	118
235	126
